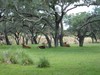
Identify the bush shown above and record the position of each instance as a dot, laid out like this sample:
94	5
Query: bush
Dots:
7	57
1	59
43	62
27	61
15	58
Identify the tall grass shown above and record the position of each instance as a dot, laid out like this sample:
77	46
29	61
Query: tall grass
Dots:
17	57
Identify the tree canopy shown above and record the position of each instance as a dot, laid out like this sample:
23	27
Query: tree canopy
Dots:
39	17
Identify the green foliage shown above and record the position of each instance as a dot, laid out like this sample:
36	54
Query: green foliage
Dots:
25	59
98	2
7	57
1	58
1	2
43	62
15	58
96	11
76	21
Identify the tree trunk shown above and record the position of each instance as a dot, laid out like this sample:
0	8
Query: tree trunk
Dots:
35	41
56	40
7	39
56	35
6	35
81	36
33	38
81	41
23	41
48	41
94	38
16	39
26	40
61	35
61	40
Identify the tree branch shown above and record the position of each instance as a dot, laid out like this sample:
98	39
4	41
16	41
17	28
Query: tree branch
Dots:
84	4
66	7
88	23
31	20
70	9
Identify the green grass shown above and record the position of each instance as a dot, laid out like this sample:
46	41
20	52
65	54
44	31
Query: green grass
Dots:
63	61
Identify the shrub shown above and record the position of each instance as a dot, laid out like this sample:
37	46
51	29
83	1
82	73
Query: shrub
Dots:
43	62
1	59
15	58
6	56
27	61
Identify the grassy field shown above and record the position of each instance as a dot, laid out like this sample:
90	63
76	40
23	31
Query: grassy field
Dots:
63	61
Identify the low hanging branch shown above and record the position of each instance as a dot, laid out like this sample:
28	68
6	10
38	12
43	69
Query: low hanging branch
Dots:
88	20
29	15
85	24
70	9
